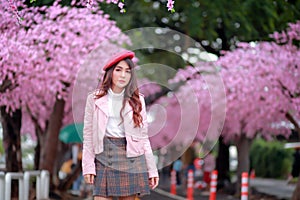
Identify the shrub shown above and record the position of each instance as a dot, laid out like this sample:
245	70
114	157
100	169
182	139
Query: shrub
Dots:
270	159
1	147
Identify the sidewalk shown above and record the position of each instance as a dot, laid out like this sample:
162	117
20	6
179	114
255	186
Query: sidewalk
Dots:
181	192
266	189
277	188
273	189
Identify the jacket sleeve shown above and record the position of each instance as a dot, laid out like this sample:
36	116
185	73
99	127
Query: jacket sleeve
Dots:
88	155
150	160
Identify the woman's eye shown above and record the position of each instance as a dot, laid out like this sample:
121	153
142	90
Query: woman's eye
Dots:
128	71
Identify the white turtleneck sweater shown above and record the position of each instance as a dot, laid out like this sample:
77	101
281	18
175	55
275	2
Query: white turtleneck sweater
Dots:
114	126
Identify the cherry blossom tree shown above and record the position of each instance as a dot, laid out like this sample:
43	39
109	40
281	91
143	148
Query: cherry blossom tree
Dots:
185	114
262	82
14	78
39	63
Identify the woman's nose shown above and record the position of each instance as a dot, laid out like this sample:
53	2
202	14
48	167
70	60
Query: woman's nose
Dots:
123	73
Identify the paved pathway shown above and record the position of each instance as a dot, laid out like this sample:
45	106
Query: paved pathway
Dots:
271	187
278	188
160	194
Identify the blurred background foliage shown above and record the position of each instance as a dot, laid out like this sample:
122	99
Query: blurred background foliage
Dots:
217	24
270	159
1	148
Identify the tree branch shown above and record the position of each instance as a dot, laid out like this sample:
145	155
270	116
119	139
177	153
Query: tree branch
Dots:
7	84
290	117
173	87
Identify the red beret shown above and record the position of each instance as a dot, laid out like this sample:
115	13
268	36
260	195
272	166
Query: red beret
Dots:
117	58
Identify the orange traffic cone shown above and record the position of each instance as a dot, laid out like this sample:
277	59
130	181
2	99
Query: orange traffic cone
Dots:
173	182
213	185
190	185
244	188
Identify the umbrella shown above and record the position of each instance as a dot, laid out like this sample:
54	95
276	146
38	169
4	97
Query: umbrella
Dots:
292	145
71	133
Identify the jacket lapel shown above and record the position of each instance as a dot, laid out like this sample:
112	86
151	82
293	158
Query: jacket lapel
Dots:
127	109
102	104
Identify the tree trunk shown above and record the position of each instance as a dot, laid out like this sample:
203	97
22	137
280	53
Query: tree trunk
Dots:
243	145
11	124
296	193
222	164
49	149
37	149
39	134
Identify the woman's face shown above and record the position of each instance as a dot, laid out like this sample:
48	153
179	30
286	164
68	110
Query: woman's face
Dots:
121	76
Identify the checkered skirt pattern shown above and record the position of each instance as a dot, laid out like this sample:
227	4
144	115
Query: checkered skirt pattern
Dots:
118	175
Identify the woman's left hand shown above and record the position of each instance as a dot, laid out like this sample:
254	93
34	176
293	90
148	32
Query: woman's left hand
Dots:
153	182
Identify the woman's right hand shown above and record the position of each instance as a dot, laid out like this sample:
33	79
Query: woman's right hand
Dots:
89	178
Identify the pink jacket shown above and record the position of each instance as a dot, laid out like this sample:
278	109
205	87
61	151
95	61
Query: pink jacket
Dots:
95	121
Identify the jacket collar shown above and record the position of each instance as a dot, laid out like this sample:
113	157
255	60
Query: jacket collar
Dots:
102	104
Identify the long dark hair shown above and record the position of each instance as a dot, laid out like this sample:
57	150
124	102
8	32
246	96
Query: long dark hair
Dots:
131	93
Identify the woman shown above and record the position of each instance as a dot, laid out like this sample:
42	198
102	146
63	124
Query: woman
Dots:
117	156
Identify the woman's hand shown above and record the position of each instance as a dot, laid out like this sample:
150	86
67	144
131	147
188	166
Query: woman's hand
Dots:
153	182
89	178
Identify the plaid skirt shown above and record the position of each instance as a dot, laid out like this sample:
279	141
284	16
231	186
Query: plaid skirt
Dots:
117	175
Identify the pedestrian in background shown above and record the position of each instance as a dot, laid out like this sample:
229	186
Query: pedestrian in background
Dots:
117	156
177	166
296	165
76	156
188	158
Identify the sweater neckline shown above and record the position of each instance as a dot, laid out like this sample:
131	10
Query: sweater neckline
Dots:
115	95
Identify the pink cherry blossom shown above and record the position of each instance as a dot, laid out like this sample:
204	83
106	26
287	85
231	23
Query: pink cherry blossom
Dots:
121	5
89	4
41	63
261	81
170	5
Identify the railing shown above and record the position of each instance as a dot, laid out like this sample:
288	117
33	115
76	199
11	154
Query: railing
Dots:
42	184
45	181
10	176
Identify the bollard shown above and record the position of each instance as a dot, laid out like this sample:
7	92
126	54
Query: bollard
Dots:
2	188
27	176
8	177
190	185
244	187
213	185
173	182
45	183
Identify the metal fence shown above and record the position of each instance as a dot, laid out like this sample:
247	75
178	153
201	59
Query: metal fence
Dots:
42	184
